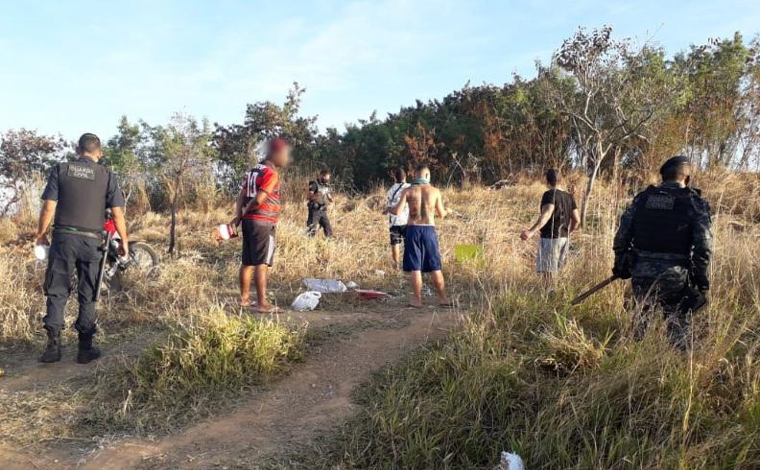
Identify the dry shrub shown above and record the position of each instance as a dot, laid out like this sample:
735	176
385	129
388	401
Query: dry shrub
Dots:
8	231
21	306
567	347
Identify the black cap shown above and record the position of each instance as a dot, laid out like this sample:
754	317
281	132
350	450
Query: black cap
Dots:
674	161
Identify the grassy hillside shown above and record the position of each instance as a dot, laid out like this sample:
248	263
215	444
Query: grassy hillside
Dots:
564	387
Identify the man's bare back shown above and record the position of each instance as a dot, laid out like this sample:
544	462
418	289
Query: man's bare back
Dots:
424	203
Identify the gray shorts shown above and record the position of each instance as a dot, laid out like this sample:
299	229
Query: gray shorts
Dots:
552	254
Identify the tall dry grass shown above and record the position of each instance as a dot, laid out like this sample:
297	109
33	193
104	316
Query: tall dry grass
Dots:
568	388
565	387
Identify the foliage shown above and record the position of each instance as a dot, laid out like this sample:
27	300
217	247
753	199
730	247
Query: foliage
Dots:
25	154
181	162
237	143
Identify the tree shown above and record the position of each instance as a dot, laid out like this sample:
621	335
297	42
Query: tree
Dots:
182	156
264	120
124	153
617	92
25	154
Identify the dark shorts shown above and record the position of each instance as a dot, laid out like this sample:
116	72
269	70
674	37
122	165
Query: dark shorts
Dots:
398	234
421	249
258	243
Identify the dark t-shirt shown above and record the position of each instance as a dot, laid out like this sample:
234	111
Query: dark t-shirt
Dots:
559	223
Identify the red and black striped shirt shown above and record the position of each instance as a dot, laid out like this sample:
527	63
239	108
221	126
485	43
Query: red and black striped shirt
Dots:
263	178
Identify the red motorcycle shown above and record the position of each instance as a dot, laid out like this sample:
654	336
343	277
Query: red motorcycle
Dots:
142	259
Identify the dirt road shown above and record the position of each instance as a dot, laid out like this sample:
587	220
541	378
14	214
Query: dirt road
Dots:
314	396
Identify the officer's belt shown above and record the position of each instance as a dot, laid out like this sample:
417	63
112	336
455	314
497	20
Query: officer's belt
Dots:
675	257
77	231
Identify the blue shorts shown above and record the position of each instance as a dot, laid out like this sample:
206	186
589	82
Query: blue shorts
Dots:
421	249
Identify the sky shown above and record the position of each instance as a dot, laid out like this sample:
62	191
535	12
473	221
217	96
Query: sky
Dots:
76	66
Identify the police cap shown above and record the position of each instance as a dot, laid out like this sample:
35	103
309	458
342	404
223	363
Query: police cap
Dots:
674	161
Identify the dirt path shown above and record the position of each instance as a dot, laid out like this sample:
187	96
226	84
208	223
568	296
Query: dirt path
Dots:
24	372
314	396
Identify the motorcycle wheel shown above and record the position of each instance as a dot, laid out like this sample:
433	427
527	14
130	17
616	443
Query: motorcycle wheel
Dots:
143	266
144	259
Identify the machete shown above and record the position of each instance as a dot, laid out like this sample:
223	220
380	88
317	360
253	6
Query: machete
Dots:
594	290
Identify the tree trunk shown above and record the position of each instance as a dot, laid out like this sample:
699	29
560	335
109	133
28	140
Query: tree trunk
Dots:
589	188
173	226
173	229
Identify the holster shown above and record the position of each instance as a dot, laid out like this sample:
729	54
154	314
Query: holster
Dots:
693	298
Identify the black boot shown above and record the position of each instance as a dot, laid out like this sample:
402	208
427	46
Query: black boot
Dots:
52	351
86	352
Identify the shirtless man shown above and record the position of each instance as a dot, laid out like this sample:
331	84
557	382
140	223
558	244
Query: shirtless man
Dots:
421	252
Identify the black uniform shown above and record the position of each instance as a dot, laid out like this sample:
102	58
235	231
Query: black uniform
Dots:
84	190
318	209
664	245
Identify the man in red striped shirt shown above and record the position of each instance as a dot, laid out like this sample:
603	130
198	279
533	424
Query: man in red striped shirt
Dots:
258	208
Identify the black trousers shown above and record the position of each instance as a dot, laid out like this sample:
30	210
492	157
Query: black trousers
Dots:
68	254
318	218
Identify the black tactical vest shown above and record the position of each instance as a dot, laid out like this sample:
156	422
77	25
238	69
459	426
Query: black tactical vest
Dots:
82	192
662	222
321	202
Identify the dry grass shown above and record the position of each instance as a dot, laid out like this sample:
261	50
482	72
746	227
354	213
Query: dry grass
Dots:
565	387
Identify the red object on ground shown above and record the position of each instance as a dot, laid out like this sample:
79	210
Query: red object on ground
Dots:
371	294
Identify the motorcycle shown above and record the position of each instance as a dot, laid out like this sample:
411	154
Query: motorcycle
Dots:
142	259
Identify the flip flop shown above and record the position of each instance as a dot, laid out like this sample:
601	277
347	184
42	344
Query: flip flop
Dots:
415	307
271	310
449	304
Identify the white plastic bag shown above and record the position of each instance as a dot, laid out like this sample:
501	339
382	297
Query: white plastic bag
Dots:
325	286
510	461
306	301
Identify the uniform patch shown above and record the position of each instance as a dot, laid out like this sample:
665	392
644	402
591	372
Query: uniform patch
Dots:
661	202
82	172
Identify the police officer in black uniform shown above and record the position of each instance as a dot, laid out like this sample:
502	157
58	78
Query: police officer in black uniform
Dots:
319	197
664	245
77	195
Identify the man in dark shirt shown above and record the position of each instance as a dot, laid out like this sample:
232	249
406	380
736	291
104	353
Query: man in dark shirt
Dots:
77	195
319	197
559	217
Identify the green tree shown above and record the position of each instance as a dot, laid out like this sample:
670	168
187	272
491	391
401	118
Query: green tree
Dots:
263	120
25	154
182	155
123	155
614	98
